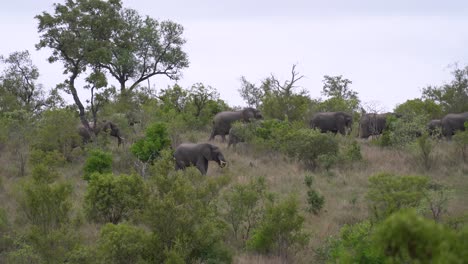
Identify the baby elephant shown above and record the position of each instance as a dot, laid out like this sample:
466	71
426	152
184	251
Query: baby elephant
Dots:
189	154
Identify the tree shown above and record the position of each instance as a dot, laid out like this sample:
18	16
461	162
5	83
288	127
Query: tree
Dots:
281	101
18	84
453	96
341	97
69	34
104	37
419	107
251	94
200	96
140	48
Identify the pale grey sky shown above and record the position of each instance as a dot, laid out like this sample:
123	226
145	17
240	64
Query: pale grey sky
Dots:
389	49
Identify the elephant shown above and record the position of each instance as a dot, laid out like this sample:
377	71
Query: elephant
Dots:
87	135
373	124
234	137
434	127
332	122
452	123
222	121
188	154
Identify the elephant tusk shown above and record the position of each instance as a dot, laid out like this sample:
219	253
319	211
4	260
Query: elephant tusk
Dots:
222	164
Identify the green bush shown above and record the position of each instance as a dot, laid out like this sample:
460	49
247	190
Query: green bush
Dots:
280	232
406	237
156	139
57	130
45	165
123	243
461	142
354	245
98	161
307	145
389	193
315	201
352	152
112	198
45	205
244	205
423	148
188	223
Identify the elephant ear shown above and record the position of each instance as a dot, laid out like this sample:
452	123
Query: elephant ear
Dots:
207	151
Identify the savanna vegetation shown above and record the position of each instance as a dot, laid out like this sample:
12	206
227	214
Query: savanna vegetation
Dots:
290	194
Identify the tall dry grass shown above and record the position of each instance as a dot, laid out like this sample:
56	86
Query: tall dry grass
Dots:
344	187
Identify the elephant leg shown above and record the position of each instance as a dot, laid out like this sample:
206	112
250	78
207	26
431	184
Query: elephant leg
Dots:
212	135
202	165
223	138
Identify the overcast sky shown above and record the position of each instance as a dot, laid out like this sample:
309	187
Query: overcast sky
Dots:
390	50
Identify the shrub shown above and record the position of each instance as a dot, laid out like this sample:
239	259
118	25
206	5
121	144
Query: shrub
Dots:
436	199
188	221
45	165
307	145
314	199
97	161
45	205
123	243
424	148
461	141
111	198
280	232
406	237
354	245
244	207
57	130
352	152
156	139
389	193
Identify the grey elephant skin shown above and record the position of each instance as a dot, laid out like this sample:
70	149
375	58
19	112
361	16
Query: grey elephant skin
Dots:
198	155
373	124
434	127
335	122
453	122
106	126
222	121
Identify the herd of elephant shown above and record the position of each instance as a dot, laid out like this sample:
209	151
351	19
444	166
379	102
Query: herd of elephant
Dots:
198	155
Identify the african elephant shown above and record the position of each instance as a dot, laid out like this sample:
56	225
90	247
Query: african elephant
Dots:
106	126
188	154
453	122
434	127
222	121
373	124
332	122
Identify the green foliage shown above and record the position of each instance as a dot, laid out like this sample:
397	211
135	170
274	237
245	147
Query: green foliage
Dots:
123	243
45	165
280	231
424	147
354	245
307	145
57	130
407	237
188	221
352	152
18	84
436	199
113	198
452	97
98	161
156	139
244	207
251	94
341	97
315	201
45	205
53	246
402	131
389	193
461	141
418	107
289	108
